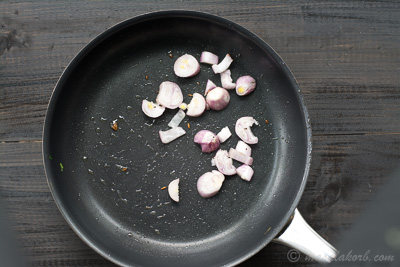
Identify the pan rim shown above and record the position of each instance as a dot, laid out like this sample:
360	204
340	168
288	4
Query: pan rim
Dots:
91	242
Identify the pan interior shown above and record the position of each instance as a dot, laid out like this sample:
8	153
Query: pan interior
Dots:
124	214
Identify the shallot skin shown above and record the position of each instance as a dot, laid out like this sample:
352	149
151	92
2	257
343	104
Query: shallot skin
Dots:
218	98
245	85
208	141
186	66
210	183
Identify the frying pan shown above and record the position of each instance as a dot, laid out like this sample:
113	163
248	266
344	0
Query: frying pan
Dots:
107	184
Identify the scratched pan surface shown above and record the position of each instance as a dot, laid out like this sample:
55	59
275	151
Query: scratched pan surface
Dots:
124	214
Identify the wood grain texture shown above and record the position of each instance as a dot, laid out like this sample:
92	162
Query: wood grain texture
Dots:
344	54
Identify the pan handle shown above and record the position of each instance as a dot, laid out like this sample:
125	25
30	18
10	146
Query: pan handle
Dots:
300	236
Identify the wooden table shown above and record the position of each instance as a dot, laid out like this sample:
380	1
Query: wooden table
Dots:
344	54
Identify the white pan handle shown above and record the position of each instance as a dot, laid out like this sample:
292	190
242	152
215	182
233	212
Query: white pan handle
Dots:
300	236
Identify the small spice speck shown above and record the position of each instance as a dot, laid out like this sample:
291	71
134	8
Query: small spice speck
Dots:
61	167
267	121
163	188
188	125
170	55
147	77
50	157
124	169
114	126
190	95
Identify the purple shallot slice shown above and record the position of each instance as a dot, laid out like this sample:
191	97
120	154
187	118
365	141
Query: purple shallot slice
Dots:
152	110
243	130
223	65
186	66
169	95
218	98
210	183
245	172
208	58
226	80
224	163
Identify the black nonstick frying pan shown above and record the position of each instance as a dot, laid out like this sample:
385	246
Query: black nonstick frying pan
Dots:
108	184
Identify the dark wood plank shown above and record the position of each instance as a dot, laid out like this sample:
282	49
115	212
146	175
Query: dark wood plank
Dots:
344	55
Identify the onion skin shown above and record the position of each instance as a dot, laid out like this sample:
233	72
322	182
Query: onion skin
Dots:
151	109
224	163
173	190
210	183
208	141
169	95
245	172
243	130
186	66
245	85
218	98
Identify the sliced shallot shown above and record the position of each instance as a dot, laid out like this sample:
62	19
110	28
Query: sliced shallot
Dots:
153	110
171	134
197	105
208	141
243	130
243	148
224	134
245	172
226	80
218	98
173	190
208	58
210	85
186	66
223	65
224	163
169	95
236	155
245	85
210	183
177	119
